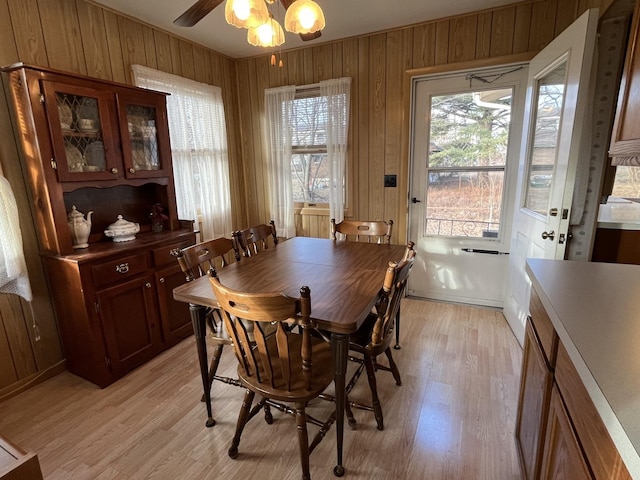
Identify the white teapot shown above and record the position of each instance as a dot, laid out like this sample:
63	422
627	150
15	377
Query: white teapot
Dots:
80	228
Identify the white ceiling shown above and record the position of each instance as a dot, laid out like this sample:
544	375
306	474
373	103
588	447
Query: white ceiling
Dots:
345	18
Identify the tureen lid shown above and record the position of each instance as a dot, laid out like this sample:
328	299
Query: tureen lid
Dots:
122	226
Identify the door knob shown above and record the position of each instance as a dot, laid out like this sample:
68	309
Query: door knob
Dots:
415	200
550	235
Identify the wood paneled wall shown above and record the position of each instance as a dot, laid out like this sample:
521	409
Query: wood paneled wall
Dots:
379	104
82	37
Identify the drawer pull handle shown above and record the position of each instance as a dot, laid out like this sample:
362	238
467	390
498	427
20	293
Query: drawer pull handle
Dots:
162	280
122	268
148	284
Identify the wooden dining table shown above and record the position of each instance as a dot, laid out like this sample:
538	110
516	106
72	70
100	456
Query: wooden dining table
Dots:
344	277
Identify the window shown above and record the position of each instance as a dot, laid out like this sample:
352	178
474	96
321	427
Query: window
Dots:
198	134
307	131
309	166
627	182
466	162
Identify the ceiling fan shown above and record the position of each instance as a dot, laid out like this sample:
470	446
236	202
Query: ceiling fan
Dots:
202	8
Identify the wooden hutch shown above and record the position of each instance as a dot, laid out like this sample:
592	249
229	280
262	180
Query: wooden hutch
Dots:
102	147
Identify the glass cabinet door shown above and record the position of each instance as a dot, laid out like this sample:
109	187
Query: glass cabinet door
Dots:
144	132
82	134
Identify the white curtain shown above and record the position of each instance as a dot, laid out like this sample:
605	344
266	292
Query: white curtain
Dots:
198	136
278	109
337	93
13	269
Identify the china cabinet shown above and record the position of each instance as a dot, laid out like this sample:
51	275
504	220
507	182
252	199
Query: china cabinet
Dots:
90	145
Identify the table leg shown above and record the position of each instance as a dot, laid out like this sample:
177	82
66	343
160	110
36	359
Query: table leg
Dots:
340	346
198	321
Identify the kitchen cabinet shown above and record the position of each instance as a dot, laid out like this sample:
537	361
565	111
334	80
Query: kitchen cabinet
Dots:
535	389
562	455
625	138
559	431
102	147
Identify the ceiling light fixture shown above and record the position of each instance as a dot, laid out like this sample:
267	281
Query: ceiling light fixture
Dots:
304	16
269	34
246	13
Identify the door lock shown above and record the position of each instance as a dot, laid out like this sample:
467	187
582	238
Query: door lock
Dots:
553	212
550	235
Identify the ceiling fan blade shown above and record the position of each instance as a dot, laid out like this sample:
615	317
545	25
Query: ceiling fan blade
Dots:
197	12
304	36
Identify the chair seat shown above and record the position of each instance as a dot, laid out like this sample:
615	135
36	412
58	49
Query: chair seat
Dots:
322	376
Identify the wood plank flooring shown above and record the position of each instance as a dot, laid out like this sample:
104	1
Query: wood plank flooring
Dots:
453	417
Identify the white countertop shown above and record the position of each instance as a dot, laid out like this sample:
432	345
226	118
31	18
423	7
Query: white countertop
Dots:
619	214
595	308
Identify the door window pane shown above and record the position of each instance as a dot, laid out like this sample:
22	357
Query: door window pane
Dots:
544	145
466	163
464	204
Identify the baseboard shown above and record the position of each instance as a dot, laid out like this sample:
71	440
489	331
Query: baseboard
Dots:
28	382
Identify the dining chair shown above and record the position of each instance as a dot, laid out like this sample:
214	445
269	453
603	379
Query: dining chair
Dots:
254	239
279	366
362	231
195	261
379	231
375	335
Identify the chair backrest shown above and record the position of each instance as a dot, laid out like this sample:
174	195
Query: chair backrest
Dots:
366	231
393	289
254	239
267	354
198	259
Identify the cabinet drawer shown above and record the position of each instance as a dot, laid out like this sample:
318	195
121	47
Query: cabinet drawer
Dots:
118	270
544	329
162	255
603	456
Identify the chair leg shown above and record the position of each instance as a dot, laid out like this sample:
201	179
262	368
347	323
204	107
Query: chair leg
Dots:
371	376
397	345
243	417
303	439
215	362
394	368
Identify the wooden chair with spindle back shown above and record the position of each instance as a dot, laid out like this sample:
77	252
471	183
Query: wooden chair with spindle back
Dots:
378	231
195	261
280	366
362	231
255	239
375	335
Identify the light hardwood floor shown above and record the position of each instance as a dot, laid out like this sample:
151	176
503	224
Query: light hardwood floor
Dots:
453	417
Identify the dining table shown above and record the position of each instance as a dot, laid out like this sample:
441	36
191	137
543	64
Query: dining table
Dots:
345	280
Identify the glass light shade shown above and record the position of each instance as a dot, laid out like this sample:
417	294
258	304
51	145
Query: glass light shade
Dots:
269	34
246	13
304	16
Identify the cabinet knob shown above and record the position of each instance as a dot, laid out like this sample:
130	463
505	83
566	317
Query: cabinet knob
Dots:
162	280
122	268
132	170
148	284
114	170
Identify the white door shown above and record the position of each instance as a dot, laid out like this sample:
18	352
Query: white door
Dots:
464	158
556	107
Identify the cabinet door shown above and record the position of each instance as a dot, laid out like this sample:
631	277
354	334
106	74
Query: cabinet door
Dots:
145	134
130	323
562	457
176	321
533	405
80	122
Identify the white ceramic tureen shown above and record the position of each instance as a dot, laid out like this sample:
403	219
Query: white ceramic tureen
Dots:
122	230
